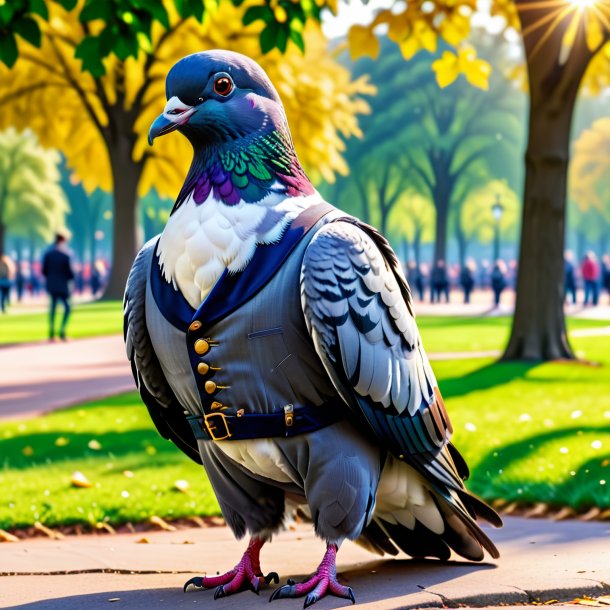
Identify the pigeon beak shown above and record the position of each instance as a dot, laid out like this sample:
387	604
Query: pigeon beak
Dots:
160	127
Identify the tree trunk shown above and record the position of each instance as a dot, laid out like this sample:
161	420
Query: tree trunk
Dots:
416	247
539	331
462	245
126	175
441	203
2	238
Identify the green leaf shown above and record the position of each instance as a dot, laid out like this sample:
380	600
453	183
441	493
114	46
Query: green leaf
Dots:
282	39
190	8
39	7
67	4
126	46
28	29
88	51
155	9
254	13
8	49
297	38
97	9
268	37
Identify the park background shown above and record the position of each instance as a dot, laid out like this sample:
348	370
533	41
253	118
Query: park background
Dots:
417	119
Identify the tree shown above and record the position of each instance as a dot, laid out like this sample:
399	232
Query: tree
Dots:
155	211
412	222
476	219
441	143
102	116
590	183
31	200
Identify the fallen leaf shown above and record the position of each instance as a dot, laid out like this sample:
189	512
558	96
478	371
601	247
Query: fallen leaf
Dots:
102	525
48	531
80	480
7	537
61	441
164	525
143	541
181	485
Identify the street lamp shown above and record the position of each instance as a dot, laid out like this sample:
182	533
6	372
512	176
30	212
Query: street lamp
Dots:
497	209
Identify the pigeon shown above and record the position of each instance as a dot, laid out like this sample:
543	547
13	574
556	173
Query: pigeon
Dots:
273	340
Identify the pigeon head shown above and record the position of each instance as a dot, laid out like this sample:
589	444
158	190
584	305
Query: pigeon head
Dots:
227	107
216	97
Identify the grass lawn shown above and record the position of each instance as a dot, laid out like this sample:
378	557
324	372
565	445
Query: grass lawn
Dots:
532	433
86	320
440	333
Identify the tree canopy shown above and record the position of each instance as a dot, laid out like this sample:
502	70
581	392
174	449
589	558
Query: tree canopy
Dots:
32	202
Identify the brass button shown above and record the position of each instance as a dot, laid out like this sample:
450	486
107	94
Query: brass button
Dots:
196	325
210	387
203	368
201	346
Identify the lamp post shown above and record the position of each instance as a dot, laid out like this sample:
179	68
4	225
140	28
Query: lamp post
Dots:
497	209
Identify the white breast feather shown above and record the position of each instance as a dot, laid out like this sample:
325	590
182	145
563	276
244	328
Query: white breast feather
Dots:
200	241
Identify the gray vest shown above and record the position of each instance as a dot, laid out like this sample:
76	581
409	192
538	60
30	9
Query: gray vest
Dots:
258	358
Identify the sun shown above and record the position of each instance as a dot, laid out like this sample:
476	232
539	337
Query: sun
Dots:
583	4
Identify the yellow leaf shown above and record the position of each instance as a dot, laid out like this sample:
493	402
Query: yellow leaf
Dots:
80	480
362	41
595	33
475	70
446	69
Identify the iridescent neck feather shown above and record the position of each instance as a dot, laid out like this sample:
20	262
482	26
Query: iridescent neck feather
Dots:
245	169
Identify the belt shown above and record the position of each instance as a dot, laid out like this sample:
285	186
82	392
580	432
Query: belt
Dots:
291	421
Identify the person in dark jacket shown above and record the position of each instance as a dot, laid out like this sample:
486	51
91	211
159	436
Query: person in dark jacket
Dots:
57	270
569	276
439	282
606	273
467	279
498	280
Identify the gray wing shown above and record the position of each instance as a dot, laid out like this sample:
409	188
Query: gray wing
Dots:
357	308
163	406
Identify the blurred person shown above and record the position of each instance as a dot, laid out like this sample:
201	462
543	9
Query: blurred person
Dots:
606	273
569	275
467	278
7	272
96	280
416	279
57	269
79	280
19	282
439	282
498	280
590	275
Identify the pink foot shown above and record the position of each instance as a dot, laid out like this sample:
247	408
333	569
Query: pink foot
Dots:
323	582
245	575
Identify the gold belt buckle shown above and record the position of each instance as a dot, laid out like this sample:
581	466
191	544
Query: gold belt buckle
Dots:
211	426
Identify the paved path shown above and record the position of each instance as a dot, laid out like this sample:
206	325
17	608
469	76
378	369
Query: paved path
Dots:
39	377
541	560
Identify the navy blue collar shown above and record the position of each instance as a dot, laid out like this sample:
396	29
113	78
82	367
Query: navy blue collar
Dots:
233	289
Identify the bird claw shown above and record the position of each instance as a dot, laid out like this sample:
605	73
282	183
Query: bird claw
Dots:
196	582
220	592
272	576
288	590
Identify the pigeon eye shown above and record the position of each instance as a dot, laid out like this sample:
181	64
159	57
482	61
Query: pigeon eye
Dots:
223	86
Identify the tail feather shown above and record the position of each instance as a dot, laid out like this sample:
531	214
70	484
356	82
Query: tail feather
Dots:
418	542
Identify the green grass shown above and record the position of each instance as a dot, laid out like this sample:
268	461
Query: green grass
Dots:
541	434
458	334
40	455
439	333
86	320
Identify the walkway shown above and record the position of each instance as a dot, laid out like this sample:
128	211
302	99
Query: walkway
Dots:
541	561
40	377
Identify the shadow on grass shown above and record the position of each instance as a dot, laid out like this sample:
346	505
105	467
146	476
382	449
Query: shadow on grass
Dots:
587	486
119	444
489	376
